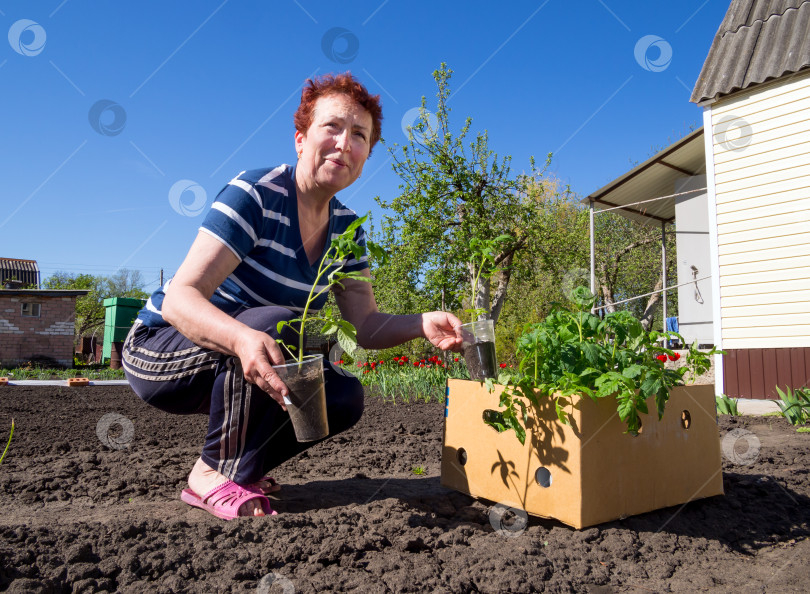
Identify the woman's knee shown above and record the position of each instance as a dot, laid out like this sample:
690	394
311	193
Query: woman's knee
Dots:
345	399
356	403
265	318
175	397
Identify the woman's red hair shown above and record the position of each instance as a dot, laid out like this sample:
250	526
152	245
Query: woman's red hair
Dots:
338	84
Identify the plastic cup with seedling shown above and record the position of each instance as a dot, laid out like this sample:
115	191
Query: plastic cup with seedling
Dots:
303	375
478	336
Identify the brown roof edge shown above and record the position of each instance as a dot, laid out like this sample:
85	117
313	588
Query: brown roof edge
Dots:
634	211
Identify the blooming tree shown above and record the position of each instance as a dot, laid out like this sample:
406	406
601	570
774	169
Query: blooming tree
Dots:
451	193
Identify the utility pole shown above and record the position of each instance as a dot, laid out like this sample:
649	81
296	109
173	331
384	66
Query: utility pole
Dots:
161	277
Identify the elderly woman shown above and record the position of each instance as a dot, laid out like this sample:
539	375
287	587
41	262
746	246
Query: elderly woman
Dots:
205	341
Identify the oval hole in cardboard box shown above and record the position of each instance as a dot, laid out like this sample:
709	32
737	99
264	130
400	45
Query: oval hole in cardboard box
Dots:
686	419
543	477
461	454
490	416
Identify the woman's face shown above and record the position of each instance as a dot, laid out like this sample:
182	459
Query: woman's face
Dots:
335	148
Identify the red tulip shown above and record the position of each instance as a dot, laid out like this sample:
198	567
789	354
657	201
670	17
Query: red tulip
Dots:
662	358
674	356
503	365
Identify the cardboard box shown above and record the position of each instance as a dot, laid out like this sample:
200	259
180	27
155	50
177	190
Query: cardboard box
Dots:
591	471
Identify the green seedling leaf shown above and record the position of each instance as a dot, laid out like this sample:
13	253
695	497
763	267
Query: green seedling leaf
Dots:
562	416
347	341
8	445
495	419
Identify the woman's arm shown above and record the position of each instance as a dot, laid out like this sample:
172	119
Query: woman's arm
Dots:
188	308
377	330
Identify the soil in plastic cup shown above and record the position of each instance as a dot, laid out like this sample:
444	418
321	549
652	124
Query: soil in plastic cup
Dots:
306	401
478	344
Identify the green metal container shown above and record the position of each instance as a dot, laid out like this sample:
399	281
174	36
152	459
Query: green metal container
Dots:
119	315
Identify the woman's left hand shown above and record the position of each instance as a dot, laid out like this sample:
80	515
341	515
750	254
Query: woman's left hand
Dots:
441	329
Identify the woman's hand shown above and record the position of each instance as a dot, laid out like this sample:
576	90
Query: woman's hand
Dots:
442	330
257	353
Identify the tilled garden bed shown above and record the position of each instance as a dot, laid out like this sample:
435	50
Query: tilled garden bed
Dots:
91	503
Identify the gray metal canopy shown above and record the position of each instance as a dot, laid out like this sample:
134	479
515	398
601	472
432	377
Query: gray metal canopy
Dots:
652	179
644	194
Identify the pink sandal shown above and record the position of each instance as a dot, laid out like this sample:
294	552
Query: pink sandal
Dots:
274	486
225	500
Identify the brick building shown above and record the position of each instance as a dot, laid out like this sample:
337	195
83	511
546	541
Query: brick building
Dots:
37	326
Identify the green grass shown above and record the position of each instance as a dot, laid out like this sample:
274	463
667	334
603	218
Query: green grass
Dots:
426	381
41	373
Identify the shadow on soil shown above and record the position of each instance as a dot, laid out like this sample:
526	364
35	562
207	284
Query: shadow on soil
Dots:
757	510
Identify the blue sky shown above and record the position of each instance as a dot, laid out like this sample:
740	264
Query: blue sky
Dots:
120	121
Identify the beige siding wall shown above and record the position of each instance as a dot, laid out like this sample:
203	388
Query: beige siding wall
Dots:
761	141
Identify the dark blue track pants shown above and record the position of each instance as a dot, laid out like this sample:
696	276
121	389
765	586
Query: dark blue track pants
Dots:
248	432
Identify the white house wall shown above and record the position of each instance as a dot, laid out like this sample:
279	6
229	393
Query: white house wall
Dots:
695	301
761	151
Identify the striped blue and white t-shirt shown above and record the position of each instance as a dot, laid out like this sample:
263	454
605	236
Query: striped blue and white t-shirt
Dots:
256	217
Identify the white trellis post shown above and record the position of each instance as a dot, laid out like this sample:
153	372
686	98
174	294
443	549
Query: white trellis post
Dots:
664	272
593	256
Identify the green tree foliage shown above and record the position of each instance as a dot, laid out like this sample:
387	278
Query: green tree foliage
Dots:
628	263
90	307
454	189
451	192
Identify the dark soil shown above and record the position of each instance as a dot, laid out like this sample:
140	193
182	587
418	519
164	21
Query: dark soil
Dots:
481	360
81	515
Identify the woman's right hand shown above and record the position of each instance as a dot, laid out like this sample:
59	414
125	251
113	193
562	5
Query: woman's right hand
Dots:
257	353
